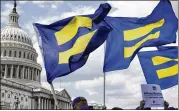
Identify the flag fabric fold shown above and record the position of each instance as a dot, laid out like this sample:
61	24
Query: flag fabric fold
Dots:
160	66
66	44
129	35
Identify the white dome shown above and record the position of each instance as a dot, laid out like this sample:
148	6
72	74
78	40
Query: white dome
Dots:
18	57
13	32
10	33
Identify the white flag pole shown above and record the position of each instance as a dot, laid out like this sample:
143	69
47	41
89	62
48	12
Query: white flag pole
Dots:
104	88
54	96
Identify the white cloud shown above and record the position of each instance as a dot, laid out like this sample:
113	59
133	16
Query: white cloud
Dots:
78	10
42	6
45	4
54	6
135	8
22	2
48	20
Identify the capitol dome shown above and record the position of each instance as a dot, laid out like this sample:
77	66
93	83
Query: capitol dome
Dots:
11	33
18	57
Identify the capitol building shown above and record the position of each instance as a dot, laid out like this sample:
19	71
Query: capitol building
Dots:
21	74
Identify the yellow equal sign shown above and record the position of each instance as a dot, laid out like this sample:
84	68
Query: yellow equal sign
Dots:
68	32
133	34
166	72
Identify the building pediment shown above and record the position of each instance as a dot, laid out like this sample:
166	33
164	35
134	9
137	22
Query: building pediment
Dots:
63	93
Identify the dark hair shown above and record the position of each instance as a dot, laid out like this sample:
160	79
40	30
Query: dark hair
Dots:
171	108
90	107
117	108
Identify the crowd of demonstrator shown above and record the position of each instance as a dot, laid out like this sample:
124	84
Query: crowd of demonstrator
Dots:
80	103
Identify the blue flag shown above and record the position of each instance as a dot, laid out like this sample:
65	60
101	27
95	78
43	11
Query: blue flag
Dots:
129	35
160	67
66	44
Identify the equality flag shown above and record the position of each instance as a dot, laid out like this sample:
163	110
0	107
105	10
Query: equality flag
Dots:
160	66
66	44
129	35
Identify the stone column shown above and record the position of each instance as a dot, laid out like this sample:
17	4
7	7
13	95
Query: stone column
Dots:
65	105
11	71
35	74
42	103
32	73
5	73
17	71
22	73
39	103
47	104
32	103
39	77
50	104
28	74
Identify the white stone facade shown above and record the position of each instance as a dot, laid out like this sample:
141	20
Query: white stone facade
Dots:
20	73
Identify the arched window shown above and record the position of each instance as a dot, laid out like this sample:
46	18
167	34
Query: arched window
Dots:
15	54
18	37
8	71
32	57
19	54
2	53
24	54
5	53
28	57
9	95
10	53
2	95
2	70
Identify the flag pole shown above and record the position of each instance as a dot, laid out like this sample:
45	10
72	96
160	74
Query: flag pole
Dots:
104	89
104	84
54	96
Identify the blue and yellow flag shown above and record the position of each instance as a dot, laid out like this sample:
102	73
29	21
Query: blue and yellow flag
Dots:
129	35
66	44
160	67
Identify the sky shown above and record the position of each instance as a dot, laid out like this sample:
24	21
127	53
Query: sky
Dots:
122	87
